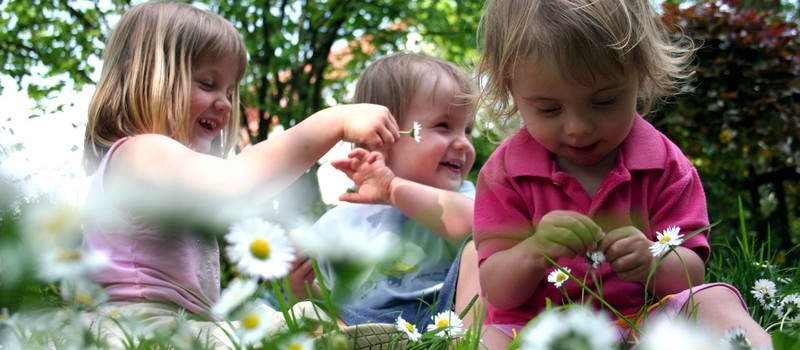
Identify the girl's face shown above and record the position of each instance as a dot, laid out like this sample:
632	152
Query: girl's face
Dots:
445	154
213	83
581	125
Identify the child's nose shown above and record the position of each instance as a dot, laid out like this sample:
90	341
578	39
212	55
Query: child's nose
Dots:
223	105
576	125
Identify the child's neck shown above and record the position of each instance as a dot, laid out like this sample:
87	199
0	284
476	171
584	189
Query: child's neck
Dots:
589	176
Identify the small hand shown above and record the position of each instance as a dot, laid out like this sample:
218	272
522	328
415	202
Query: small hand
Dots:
565	234
627	250
370	125
370	174
301	273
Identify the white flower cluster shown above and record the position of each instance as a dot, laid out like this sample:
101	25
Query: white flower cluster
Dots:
446	325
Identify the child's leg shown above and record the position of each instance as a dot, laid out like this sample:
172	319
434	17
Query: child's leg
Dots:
494	338
720	308
468	285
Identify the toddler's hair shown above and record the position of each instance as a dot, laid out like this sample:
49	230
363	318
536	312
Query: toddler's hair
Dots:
585	38
393	80
146	82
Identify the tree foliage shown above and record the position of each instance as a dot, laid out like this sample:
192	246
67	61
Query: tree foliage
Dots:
741	118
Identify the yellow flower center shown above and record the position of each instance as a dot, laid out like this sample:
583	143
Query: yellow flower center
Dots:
561	277
250	321
82	299
664	239
410	327
69	255
442	323
295	346
260	248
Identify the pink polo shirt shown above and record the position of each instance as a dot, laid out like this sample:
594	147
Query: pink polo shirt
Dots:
652	187
149	264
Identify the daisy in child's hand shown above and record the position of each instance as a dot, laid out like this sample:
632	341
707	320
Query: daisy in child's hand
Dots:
565	234
668	238
627	249
368	170
415	132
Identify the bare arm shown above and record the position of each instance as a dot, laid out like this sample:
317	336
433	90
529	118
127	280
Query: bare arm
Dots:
444	212
260	171
675	274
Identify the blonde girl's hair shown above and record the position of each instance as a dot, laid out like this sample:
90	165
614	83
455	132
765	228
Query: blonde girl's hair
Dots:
393	80
584	38
146	82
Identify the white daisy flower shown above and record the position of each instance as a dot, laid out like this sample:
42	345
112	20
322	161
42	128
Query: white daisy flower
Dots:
735	339
234	295
358	247
259	248
666	239
252	324
415	132
82	293
763	290
577	327
448	324
408	328
676	333
558	276
299	342
595	258
789	308
67	262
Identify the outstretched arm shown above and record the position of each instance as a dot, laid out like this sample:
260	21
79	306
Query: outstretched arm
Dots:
447	213
156	162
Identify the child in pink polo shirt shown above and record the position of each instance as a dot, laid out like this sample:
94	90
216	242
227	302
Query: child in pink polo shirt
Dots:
586	172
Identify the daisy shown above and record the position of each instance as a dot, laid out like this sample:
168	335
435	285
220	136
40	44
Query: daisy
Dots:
252	324
577	327
234	295
58	262
595	258
666	239
789	308
299	342
676	333
735	339
447	324
558	276
414	132
408	328
259	248
82	293
763	290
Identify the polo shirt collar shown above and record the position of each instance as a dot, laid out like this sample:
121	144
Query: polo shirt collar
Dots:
643	149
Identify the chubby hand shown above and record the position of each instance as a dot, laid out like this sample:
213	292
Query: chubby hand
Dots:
370	125
369	172
565	234
301	272
627	250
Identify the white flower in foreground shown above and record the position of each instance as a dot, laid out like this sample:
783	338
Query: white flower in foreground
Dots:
735	339
577	327
357	247
82	293
558	276
259	248
595	258
763	290
789	308
234	295
415	132
447	324
408	328
299	342
676	333
666	239
67	262
252	324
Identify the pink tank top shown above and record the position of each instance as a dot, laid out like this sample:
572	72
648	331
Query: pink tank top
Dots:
147	264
